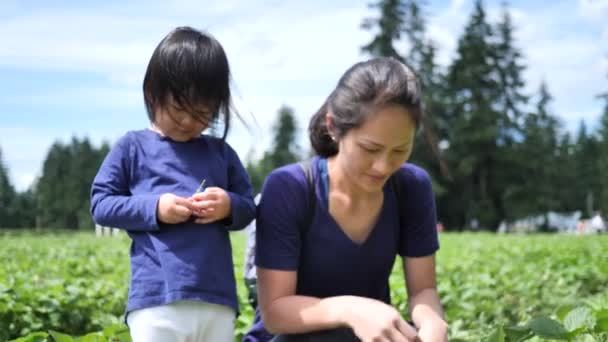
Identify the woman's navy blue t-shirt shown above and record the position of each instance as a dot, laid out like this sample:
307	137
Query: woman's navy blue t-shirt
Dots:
328	262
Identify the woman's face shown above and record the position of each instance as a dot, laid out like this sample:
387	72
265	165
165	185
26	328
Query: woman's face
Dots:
372	152
180	125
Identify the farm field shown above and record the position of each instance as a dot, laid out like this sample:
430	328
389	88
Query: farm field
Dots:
55	286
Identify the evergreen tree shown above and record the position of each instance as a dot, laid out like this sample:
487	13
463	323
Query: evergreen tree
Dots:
7	198
475	127
532	190
404	19
390	25
586	188
566	177
284	149
62	192
603	158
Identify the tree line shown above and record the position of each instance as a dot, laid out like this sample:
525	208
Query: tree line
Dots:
494	151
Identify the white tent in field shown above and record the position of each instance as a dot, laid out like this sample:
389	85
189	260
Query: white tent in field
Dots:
561	222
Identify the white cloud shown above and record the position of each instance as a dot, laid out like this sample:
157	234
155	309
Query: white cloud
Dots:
594	10
280	52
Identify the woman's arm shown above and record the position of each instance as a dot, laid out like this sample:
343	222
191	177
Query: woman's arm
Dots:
284	312
425	308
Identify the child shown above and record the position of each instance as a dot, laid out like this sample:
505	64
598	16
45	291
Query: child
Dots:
177	193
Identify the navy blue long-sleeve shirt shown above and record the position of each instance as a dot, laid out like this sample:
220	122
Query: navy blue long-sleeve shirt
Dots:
171	262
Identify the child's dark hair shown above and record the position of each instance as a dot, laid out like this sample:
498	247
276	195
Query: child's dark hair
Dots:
363	89
190	68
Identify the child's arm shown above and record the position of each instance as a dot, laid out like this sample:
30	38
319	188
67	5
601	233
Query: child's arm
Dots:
234	206
112	203
240	192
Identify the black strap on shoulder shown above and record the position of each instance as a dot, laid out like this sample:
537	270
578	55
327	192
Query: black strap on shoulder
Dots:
306	166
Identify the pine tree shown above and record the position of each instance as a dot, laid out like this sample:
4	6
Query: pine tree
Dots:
566	177
533	189
284	149
7	198
586	188
603	158
390	25
398	20
62	192
475	125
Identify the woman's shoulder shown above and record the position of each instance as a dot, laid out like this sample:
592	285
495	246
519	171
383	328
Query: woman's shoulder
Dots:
413	180
290	178
413	173
287	175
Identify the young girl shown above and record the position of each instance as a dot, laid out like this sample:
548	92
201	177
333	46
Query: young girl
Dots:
177	193
323	265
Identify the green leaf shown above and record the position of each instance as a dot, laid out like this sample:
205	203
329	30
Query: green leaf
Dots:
601	314
498	335
601	325
579	319
115	329
92	337
59	337
33	337
518	333
563	311
548	328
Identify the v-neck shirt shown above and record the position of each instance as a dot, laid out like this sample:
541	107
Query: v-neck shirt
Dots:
328	262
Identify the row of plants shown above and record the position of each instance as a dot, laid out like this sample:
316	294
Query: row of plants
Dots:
73	287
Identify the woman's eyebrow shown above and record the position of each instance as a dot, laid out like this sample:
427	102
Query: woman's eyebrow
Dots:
366	141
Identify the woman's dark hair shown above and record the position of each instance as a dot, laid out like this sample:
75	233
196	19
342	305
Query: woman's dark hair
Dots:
365	88
190	68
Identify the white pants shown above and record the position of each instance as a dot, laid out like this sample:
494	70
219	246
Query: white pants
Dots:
184	321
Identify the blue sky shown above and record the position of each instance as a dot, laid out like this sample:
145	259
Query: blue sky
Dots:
74	68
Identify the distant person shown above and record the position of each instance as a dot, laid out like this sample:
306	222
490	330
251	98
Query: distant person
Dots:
325	252
178	193
597	223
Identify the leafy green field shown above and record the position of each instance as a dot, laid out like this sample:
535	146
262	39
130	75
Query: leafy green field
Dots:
493	288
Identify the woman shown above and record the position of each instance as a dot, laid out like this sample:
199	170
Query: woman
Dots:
323	268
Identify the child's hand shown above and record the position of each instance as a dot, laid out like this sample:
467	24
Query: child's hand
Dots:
211	205
173	209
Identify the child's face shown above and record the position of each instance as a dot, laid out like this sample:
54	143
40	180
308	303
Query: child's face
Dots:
179	124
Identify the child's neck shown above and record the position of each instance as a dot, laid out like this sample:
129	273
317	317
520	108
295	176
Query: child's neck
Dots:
154	128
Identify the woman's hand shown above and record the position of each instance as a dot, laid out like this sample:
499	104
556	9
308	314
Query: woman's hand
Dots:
373	320
211	205
435	330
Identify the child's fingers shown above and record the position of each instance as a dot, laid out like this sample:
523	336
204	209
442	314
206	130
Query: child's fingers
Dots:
203	212
184	202
203	205
181	211
204	196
